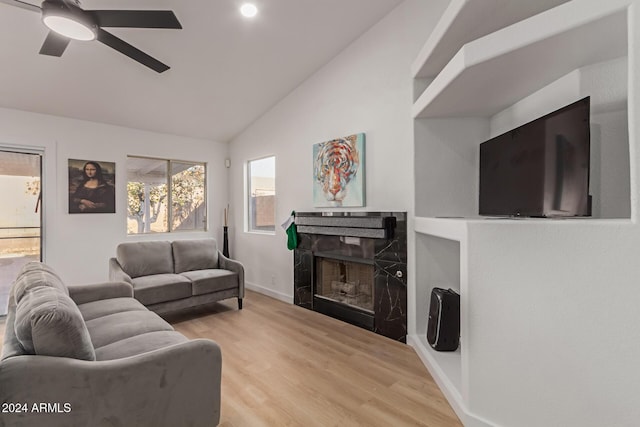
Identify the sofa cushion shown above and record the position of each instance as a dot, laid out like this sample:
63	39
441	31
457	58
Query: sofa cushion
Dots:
11	345
118	326
190	255
145	258
207	281
139	344
160	288
36	266
49	323
36	274
94	309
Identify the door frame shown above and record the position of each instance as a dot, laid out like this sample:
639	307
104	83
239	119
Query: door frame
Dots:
42	151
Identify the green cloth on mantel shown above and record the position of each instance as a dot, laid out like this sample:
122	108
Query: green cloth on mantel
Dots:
292	233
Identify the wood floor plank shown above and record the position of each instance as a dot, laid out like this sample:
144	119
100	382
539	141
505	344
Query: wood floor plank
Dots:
287	366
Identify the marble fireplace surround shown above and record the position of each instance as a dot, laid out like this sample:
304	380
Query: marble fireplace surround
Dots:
377	238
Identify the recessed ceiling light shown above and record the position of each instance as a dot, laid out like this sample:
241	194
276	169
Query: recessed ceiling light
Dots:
249	10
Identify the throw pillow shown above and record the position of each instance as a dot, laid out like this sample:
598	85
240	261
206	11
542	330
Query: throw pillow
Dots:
34	275
49	323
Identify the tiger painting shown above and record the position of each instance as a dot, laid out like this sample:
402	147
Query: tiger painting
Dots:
337	163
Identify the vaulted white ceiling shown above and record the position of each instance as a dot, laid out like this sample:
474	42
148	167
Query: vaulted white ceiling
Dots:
226	70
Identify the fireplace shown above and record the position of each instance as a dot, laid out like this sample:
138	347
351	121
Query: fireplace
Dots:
344	289
352	266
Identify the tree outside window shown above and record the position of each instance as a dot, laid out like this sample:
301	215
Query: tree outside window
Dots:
261	181
151	190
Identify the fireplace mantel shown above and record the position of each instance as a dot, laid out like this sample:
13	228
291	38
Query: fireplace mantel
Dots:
374	227
377	238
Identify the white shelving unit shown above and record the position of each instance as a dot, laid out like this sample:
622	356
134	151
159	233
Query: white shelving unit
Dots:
467	20
485	56
446	228
443	243
516	61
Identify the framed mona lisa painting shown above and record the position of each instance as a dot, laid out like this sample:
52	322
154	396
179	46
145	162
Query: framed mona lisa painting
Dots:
92	186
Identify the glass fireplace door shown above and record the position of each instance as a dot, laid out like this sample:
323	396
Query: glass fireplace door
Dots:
345	282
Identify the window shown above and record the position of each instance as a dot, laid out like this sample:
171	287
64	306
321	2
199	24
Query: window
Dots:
165	195
261	185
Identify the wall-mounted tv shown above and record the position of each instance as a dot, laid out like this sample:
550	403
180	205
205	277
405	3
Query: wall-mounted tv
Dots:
540	169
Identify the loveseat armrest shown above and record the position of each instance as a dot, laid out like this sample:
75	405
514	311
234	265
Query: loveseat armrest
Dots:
173	386
235	266
81	294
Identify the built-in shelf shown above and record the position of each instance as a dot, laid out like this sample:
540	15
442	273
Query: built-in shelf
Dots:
494	62
495	71
446	228
466	20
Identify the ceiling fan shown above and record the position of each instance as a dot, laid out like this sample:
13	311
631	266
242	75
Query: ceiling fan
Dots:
67	21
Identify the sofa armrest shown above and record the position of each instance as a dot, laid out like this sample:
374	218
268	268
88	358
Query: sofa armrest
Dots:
176	385
236	267
116	273
81	294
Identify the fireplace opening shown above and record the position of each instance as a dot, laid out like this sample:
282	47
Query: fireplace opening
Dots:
344	289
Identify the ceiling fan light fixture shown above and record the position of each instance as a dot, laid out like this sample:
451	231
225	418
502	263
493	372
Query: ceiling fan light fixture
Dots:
70	23
69	28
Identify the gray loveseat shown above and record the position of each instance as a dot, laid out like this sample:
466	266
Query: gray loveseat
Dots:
92	355
169	276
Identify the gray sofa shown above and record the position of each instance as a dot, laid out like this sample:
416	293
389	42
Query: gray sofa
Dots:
169	276
92	355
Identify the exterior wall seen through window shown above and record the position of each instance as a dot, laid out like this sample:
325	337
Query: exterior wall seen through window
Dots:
261	182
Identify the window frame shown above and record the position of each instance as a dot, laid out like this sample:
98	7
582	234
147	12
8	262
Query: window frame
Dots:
169	185
247	196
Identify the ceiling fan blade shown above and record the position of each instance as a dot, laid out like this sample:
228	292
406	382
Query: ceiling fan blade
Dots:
54	44
130	51
136	18
22	5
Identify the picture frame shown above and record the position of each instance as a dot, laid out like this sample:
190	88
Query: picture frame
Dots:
91	186
339	172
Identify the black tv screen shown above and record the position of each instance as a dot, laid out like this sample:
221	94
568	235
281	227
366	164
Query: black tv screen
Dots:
540	169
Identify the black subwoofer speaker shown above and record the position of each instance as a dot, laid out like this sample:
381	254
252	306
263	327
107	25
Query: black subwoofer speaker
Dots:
443	328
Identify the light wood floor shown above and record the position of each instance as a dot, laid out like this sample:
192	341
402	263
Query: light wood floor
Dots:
287	366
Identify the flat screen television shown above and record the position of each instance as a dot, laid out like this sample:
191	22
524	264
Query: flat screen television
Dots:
540	169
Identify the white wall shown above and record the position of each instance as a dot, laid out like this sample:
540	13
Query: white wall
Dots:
79	246
366	88
552	323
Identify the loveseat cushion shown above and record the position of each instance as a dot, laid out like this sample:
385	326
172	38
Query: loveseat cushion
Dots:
49	323
139	344
108	329
94	309
160	288
207	281
145	258
36	274
190	255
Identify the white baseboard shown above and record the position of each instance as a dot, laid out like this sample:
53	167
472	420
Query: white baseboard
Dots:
269	292
450	393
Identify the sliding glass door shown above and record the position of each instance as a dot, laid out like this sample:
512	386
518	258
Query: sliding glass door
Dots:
20	216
